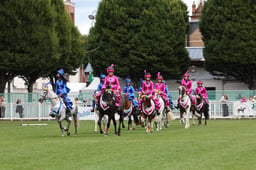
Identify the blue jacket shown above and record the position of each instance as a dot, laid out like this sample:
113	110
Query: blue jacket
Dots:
129	90
100	86
61	87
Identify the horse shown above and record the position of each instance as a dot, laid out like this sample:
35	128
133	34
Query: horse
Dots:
184	105
129	111
106	106
201	107
161	112
59	109
148	111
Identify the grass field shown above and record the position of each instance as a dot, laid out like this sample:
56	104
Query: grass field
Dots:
222	144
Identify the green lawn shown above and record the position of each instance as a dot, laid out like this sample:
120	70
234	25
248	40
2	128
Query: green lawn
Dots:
222	144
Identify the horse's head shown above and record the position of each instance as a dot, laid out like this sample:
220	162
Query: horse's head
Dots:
198	98
182	91
145	99
108	96
44	94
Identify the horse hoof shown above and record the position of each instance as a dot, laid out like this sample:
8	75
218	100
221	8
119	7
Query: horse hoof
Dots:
106	134
75	134
68	133
95	131
101	132
62	135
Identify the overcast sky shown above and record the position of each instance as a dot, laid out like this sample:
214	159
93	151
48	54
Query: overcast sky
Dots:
86	7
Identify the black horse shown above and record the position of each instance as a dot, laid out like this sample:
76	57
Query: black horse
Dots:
106	106
201	107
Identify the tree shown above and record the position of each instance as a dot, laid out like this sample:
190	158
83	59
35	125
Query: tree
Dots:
37	38
137	35
229	29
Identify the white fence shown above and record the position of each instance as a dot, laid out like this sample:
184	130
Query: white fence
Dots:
37	111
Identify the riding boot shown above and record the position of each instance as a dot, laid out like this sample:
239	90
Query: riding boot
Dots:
52	115
157	112
68	113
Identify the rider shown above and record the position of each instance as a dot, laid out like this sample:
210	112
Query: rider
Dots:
129	91
168	95
202	91
161	87
62	90
147	89
186	82
112	81
98	91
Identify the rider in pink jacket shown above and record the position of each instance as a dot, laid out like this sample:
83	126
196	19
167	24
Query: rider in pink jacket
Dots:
112	80
186	82
161	87
202	91
147	87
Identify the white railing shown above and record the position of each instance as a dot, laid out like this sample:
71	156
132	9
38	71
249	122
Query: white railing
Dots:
37	111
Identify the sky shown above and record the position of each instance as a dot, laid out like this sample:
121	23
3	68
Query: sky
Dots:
84	8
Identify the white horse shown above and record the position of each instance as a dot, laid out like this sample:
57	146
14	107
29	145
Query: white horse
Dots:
58	108
185	105
161	112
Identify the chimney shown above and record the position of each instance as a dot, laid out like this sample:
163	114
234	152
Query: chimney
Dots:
193	7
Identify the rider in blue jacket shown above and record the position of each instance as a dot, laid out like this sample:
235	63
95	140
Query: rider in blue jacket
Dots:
129	91
62	90
169	95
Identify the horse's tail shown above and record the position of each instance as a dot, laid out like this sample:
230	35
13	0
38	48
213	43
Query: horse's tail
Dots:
170	115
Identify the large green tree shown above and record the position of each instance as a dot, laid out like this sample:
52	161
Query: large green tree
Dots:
229	33
37	38
137	35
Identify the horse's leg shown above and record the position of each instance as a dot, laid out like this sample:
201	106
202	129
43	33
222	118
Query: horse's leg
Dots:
119	126
193	117
181	117
99	123
187	118
129	122
61	127
114	123
68	125
205	116
96	121
105	122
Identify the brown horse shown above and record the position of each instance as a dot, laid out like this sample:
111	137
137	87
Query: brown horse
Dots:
129	111
148	111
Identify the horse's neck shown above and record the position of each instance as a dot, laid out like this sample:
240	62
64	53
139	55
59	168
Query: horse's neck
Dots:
53	98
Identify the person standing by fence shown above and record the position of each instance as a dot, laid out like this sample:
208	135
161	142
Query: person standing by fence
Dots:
19	108
224	100
2	106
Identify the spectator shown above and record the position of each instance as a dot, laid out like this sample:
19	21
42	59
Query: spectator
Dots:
2	106
243	99
250	99
224	100
19	108
254	99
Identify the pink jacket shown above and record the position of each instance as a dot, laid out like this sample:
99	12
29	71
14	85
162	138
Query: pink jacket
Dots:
187	85
160	87
111	81
202	92
148	88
